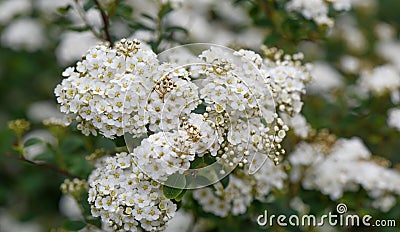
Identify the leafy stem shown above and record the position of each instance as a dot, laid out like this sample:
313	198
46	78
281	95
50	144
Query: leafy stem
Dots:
43	165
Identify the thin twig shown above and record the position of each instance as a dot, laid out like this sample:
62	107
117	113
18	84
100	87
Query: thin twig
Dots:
44	165
105	19
82	15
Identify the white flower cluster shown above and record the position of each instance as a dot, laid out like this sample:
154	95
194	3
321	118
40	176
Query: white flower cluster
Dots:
325	78
165	153
125	89
24	34
318	10
224	106
287	77
99	93
394	118
241	190
345	167
381	80
125	198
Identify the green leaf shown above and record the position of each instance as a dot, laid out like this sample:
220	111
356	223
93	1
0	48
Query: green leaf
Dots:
176	180
209	159
45	156
79	29
71	144
140	26
73	225
165	9
272	39
64	10
198	162
176	28
33	141
181	195
171	193
225	181
124	11
147	16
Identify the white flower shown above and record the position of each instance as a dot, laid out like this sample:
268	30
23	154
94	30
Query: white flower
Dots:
24	34
11	8
241	190
325	78
311	9
380	80
73	45
124	197
350	160
394	118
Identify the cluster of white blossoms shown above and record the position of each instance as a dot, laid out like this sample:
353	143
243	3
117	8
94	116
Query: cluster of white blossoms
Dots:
125	198
165	153
318	10
352	165
287	77
241	191
124	89
381	80
394	118
224	106
108	86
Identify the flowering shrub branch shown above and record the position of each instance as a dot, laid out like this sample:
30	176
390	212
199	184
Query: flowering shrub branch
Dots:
153	133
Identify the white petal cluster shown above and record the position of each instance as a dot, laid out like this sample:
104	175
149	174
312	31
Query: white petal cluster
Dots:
108	89
318	10
120	89
24	34
381	80
172	96
346	167
325	78
165	153
390	51
241	190
287	78
394	118
225	106
125	198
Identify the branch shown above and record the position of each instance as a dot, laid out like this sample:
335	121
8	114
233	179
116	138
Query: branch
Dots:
44	165
105	19
82	15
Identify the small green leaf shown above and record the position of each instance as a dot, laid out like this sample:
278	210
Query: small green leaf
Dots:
171	193
165	9
181	195
79	29
209	159
45	156
225	181
73	225
64	10
71	144
178	182
33	141
198	162
147	16
176	28
124	11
